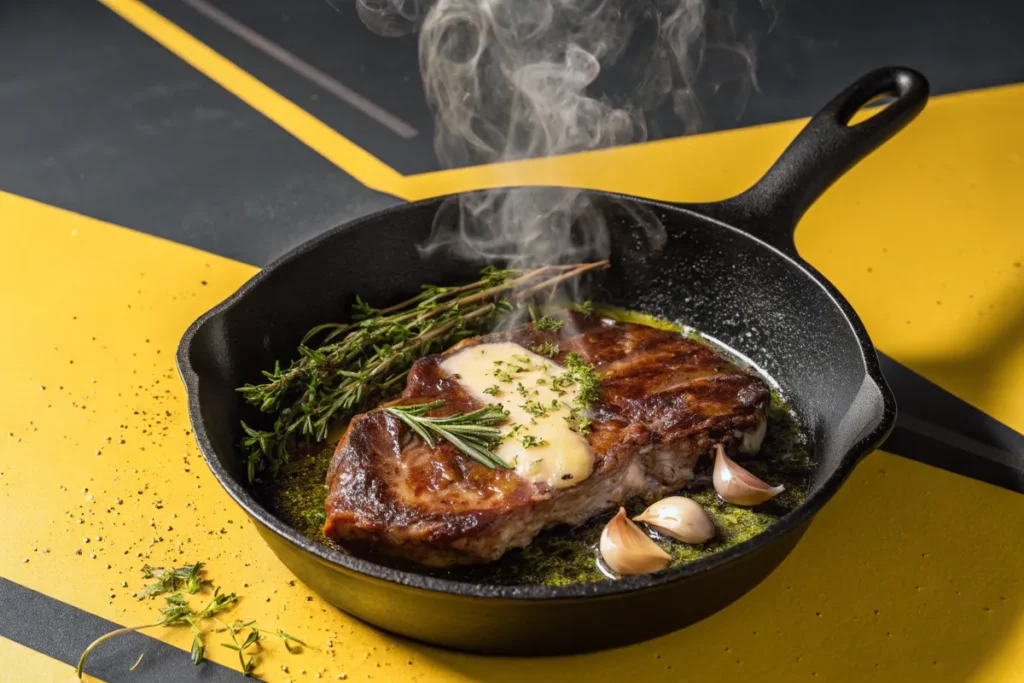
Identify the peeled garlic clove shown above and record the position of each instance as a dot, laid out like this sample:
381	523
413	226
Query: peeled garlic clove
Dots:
681	518
627	550
750	442
738	486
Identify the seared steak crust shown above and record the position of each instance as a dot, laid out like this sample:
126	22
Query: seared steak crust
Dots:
664	400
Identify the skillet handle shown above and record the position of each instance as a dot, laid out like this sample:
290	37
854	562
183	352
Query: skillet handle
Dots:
825	149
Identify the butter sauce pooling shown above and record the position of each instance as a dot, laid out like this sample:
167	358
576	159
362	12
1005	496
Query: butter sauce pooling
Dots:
538	442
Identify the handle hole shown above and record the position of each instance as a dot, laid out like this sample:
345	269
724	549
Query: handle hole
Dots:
872	107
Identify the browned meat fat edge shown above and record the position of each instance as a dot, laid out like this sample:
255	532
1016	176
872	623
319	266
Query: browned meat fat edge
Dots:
664	400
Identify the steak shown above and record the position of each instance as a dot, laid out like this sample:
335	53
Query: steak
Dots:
663	400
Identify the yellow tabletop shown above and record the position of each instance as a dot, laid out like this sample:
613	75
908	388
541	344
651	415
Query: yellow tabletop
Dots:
910	574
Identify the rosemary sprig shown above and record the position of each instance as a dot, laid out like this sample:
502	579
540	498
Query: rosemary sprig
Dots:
474	433
358	364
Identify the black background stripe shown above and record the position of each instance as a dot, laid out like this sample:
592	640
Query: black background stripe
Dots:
98	118
62	632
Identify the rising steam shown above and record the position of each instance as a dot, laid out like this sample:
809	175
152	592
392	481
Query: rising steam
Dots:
516	79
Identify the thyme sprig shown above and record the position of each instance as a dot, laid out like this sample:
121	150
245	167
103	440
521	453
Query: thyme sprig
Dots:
356	365
177	611
245	659
173	580
474	433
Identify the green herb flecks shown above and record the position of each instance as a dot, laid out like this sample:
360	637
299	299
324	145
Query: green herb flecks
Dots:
473	434
584	376
586	308
547	323
534	408
578	422
548	349
493	390
359	363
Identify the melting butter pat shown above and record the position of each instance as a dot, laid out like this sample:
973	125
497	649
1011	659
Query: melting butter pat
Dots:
538	441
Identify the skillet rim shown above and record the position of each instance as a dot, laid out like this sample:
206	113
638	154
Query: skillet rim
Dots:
803	513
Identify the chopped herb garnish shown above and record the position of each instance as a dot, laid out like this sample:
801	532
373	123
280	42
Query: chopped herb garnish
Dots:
548	323
534	408
548	349
584	376
503	376
522	359
578	422
473	434
586	308
493	390
523	391
531	441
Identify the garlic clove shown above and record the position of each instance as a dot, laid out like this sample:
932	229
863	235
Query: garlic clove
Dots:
681	518
628	550
750	442
738	486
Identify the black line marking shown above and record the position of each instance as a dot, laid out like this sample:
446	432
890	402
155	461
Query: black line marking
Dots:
937	428
62	631
306	70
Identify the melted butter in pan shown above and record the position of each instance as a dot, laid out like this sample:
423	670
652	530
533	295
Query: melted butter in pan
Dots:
539	443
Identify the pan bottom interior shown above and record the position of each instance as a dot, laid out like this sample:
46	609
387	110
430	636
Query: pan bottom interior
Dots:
563	555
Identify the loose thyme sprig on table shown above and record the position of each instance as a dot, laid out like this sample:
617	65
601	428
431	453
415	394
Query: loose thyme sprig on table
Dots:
360	363
178	612
474	433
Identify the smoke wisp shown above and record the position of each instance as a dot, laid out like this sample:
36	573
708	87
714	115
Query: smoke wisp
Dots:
517	79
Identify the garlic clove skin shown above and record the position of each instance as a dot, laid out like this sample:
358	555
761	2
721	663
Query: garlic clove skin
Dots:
681	518
737	486
626	549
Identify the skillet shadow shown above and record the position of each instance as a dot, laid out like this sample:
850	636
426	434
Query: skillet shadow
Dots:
910	573
987	357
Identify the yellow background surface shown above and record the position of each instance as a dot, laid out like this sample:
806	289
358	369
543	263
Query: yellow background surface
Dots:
911	573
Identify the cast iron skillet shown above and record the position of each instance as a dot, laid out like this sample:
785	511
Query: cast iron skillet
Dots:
729	269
